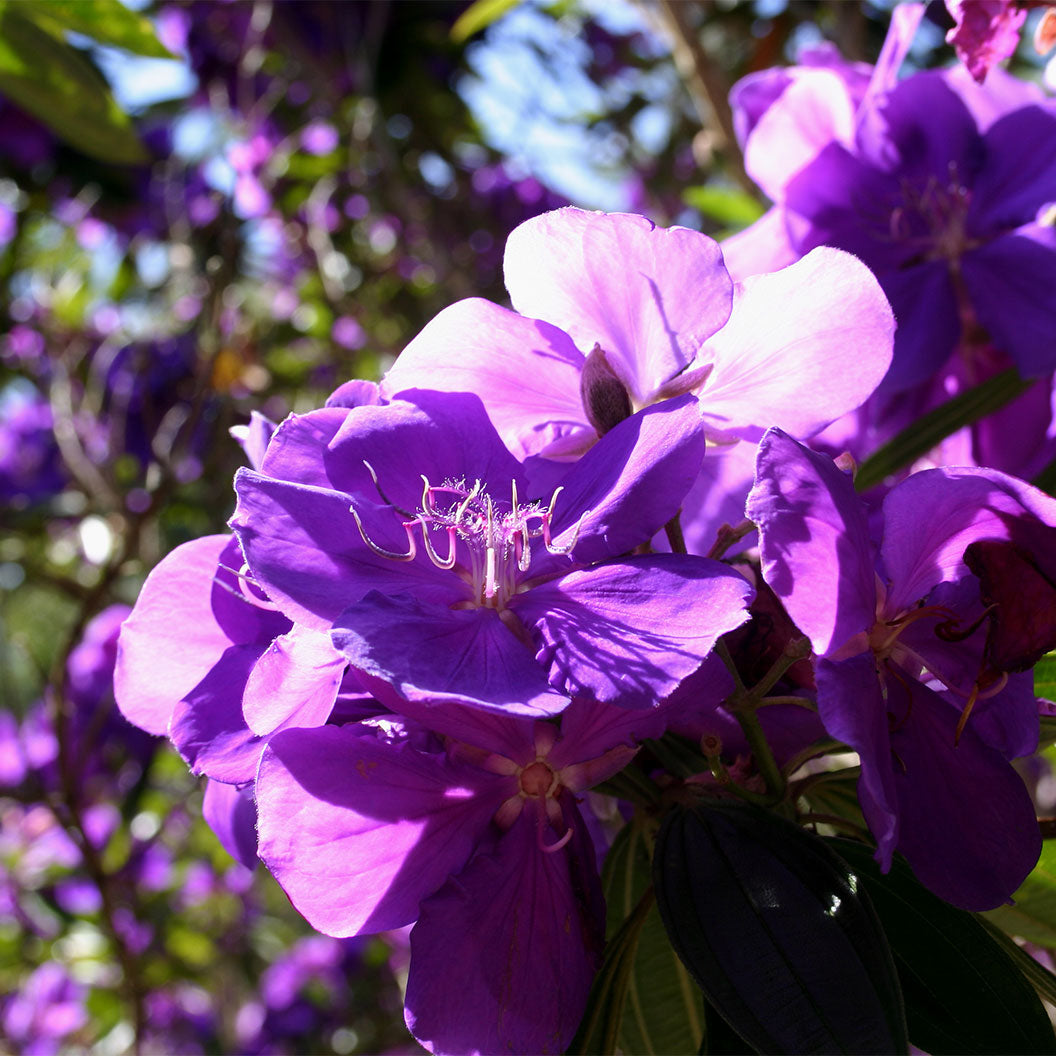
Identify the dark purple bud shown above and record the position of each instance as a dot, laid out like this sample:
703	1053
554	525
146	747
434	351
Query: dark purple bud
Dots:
605	397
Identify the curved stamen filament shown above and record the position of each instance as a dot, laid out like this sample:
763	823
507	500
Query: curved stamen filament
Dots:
447	562
244	579
412	546
381	493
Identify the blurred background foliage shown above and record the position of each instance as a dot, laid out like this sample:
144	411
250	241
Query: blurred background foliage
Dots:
209	208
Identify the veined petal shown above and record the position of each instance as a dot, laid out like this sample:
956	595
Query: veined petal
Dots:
525	371
431	652
294	683
649	296
629	632
502	957
802	347
358	830
814	542
188	613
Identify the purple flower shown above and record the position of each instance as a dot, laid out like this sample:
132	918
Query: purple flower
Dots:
46	1012
940	189
414	534
31	467
480	841
900	669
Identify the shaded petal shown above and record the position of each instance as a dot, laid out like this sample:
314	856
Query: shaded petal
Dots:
929	326
358	831
433	652
802	347
231	813
1002	93
187	614
502	957
967	823
718	497
294	683
814	541
207	726
1020	172
1010	282
628	632
526	371
649	296
931	518
852	708
590	728
629	484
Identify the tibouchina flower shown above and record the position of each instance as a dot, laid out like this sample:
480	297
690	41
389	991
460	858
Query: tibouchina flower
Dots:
409	533
943	189
900	669
477	837
610	306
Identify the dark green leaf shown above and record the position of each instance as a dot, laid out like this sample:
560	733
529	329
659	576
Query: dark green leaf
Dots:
600	1025
58	86
928	430
664	1010
1039	977
962	993
108	22
771	924
1033	917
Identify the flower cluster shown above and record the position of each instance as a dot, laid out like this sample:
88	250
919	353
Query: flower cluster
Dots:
455	604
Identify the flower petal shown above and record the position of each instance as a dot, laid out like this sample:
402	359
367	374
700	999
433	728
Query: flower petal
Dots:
358	830
649	296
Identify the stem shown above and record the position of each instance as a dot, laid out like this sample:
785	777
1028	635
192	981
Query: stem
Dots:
762	752
673	530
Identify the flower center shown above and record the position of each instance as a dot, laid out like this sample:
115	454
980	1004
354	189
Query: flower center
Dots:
932	219
538	780
496	536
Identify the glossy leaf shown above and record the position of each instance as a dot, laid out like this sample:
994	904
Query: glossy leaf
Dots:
108	22
963	994
772	925
664	1010
930	429
57	86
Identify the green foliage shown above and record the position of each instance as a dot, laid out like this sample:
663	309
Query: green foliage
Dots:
731	208
478	16
56	84
1033	914
107	22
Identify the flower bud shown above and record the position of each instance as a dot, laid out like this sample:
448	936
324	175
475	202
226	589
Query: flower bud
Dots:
605	397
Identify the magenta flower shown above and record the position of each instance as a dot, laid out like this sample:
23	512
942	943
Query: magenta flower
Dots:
985	32
481	841
413	536
900	669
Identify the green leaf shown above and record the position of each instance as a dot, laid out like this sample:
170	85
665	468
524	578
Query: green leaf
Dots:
663	1010
732	208
919	438
1033	917
962	993
1039	977
772	925
599	1027
59	87
1045	677
478	16
108	22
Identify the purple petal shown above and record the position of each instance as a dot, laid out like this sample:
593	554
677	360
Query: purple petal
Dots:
967	823
433	652
931	518
306	551
294	683
905	18
358	831
1010	282
298	448
1020	173
207	726
802	347
814	542
254	437
502	957
232	815
718	497
852	708
630	483
628	632
649	296
187	614
764	246
526	371
814	110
